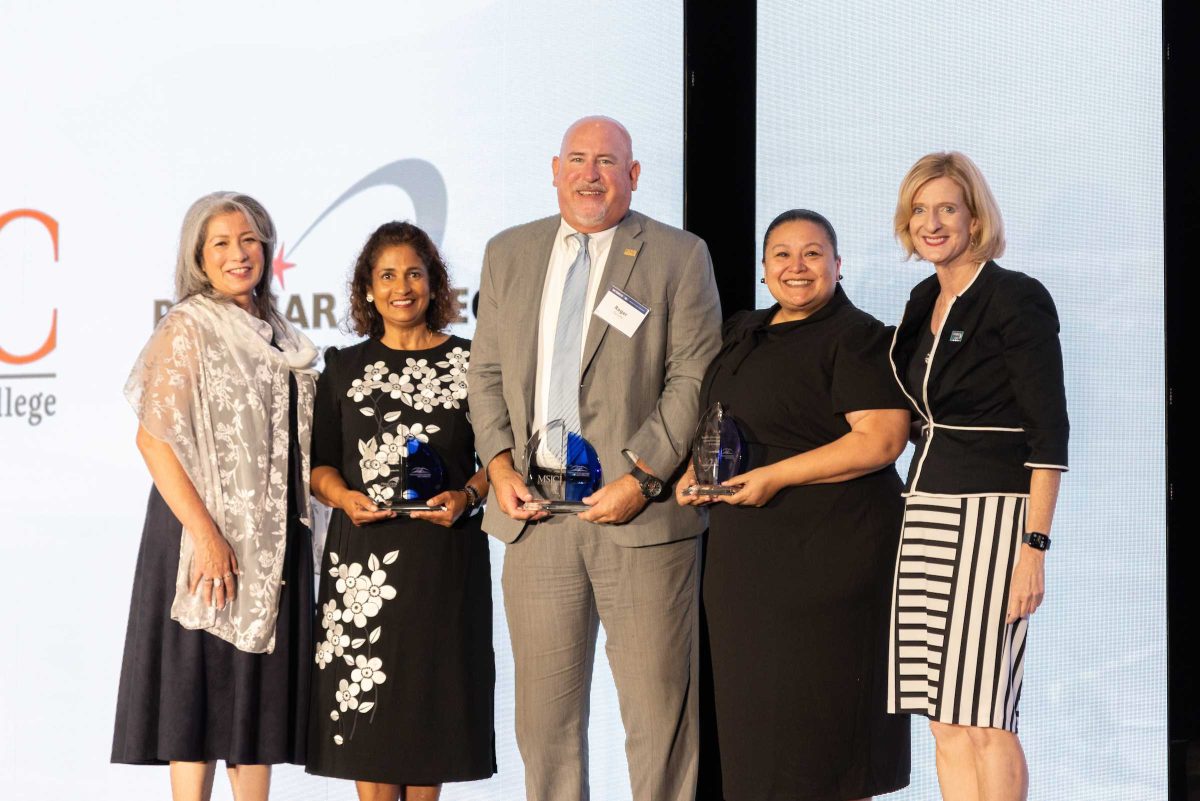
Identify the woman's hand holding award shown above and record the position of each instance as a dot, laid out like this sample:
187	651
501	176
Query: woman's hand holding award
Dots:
420	476
718	453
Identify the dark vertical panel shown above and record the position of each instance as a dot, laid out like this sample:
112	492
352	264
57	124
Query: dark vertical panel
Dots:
719	63
719	110
1181	120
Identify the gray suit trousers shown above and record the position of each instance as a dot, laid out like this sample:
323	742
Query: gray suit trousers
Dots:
561	579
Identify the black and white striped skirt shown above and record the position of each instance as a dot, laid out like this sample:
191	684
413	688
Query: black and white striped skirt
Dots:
952	657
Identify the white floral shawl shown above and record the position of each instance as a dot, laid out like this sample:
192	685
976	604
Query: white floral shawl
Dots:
210	385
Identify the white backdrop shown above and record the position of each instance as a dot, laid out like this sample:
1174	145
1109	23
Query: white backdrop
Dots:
115	118
1060	104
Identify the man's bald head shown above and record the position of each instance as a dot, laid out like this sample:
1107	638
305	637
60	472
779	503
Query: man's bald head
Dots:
599	121
595	174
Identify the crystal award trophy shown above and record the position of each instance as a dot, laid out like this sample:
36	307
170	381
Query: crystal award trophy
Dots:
718	453
561	469
419	475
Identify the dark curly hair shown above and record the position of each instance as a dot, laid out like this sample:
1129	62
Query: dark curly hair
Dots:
363	319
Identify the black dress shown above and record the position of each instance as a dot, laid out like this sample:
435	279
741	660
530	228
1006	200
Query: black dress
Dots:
188	696
402	693
796	593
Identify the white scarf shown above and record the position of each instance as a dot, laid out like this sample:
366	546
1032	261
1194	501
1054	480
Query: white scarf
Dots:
210	385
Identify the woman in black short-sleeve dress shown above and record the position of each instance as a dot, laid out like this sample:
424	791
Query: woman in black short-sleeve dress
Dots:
798	569
402	693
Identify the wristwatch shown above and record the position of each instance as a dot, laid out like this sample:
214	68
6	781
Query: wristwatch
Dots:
473	498
651	486
1036	540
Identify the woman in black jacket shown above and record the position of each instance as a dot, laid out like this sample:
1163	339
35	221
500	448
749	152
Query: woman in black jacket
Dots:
978	355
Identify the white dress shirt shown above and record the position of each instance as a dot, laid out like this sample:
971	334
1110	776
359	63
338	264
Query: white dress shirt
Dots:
562	256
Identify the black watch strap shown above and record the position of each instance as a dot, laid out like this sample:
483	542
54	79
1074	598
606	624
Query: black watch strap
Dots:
652	486
1036	540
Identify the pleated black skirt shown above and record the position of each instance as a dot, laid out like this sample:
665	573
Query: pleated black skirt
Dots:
189	696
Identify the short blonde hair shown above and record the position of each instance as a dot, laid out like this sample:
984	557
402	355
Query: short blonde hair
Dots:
988	241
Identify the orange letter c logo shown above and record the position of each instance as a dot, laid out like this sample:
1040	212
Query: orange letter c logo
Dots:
52	340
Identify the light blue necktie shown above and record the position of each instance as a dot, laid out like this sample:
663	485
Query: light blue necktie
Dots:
563	402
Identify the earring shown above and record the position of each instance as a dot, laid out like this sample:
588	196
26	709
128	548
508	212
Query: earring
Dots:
762	280
370	298
839	277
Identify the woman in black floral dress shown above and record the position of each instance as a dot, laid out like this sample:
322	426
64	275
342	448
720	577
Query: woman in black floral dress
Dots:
402	694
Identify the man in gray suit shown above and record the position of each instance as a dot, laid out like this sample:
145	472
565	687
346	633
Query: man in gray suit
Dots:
629	374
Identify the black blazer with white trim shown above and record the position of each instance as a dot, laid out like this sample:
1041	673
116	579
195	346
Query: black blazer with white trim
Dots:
992	400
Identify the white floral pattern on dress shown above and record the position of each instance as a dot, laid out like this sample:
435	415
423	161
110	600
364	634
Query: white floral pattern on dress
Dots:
392	448
363	595
370	464
367	672
381	494
420	385
362	590
347	695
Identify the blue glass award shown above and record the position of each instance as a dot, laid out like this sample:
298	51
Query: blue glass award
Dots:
718	453
419	476
562	469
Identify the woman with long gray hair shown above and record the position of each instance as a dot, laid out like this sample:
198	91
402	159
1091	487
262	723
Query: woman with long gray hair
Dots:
219	640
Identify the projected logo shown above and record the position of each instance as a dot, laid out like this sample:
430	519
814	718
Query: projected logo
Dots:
23	375
417	178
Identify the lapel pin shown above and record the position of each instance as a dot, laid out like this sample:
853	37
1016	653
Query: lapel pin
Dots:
630	251
956	336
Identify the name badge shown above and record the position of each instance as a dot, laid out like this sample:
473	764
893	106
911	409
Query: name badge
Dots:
956	336
622	311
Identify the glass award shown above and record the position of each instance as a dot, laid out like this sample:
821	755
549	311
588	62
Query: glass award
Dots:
562	469
718	453
419	476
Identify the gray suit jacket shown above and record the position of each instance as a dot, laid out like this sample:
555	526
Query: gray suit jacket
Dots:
639	393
